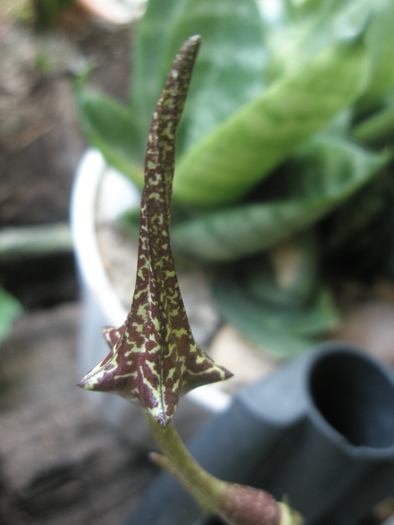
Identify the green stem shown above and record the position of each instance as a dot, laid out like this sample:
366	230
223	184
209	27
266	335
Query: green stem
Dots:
178	461
212	494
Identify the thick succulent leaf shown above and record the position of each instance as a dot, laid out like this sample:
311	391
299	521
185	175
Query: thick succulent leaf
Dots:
304	30
287	275
285	304
154	358
320	177
10	309
230	69
308	27
148	74
111	127
380	45
227	163
282	331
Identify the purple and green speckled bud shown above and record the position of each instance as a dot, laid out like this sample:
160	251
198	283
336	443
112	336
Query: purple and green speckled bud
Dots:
244	505
154	358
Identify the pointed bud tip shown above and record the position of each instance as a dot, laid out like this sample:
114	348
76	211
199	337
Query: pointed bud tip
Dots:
195	39
86	382
227	374
83	384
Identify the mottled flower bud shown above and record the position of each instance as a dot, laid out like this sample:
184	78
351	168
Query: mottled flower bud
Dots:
154	358
242	505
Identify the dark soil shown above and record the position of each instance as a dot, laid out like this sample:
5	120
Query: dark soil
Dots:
40	138
58	463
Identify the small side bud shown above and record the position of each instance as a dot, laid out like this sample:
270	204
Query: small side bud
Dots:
243	505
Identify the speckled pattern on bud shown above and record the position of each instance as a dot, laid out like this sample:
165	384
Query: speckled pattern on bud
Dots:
153	356
242	505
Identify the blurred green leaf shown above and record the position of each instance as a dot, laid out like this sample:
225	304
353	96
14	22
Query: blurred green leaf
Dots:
149	56
287	275
111	127
303	29
380	46
321	176
10	309
283	331
228	162
48	13
309	26
229	72
377	128
230	68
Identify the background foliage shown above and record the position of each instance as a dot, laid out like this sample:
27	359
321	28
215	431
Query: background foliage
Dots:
283	153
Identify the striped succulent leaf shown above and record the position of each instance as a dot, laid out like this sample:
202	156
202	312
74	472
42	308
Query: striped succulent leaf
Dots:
154	358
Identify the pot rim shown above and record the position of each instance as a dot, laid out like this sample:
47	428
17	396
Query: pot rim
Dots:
348	352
